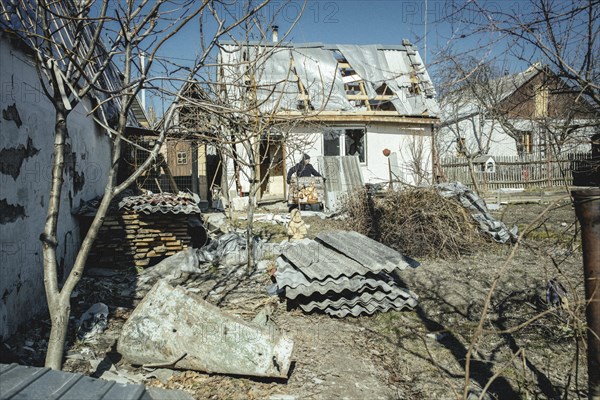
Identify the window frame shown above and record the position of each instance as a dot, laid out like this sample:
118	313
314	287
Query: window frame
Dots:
343	137
179	159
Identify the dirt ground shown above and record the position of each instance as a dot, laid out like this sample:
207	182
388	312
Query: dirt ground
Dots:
526	350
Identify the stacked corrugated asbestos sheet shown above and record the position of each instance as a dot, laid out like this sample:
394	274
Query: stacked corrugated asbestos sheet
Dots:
344	273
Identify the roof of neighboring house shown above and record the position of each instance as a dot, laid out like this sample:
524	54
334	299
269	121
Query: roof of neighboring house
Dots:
65	35
462	104
321	78
189	92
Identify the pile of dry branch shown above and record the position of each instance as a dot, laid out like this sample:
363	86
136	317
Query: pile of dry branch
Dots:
417	222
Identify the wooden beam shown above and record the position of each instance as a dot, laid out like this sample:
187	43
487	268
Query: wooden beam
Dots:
362	117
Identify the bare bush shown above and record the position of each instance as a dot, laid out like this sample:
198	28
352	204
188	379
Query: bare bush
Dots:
417	222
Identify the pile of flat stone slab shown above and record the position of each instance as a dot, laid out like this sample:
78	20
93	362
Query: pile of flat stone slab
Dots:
344	273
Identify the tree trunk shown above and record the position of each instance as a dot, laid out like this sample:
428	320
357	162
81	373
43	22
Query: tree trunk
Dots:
250	226
59	316
50	242
473	178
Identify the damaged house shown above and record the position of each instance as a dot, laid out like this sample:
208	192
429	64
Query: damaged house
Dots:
345	100
26	151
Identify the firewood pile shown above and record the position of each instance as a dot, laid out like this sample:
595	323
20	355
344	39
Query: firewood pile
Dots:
143	230
140	240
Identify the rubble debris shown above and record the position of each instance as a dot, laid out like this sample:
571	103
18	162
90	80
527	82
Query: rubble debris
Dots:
297	229
228	251
269	218
93	321
344	273
475	204
201	338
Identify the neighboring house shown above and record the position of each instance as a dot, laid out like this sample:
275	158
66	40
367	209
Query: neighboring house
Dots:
26	151
188	154
344	100
533	113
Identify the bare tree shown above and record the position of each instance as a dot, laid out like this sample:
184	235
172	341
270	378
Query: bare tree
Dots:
558	39
242	101
74	63
561	38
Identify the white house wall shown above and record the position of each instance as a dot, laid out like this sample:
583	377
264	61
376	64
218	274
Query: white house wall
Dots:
501	144
26	144
408	142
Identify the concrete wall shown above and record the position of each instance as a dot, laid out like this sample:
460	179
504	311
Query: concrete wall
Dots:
26	148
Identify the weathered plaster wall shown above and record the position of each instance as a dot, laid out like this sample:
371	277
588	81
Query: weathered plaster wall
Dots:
26	146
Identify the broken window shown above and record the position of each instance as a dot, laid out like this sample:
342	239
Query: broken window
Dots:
182	158
345	142
331	143
355	143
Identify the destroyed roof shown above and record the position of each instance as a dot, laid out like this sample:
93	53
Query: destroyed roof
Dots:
21	382
67	36
340	78
165	203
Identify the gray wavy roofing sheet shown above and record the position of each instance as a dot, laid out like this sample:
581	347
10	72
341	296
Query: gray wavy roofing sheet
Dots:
319	262
371	308
165	203
353	271
369	253
23	382
400	297
344	174
296	284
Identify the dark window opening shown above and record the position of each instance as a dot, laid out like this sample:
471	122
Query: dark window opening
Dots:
346	142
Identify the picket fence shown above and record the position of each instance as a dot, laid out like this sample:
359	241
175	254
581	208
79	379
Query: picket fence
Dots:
530	171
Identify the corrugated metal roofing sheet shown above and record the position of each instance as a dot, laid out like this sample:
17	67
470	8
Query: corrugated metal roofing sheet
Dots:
23	382
160	203
344	273
343	174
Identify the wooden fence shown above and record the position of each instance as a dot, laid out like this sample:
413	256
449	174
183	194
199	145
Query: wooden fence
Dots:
518	172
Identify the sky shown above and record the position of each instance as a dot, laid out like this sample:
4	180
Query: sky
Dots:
426	24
